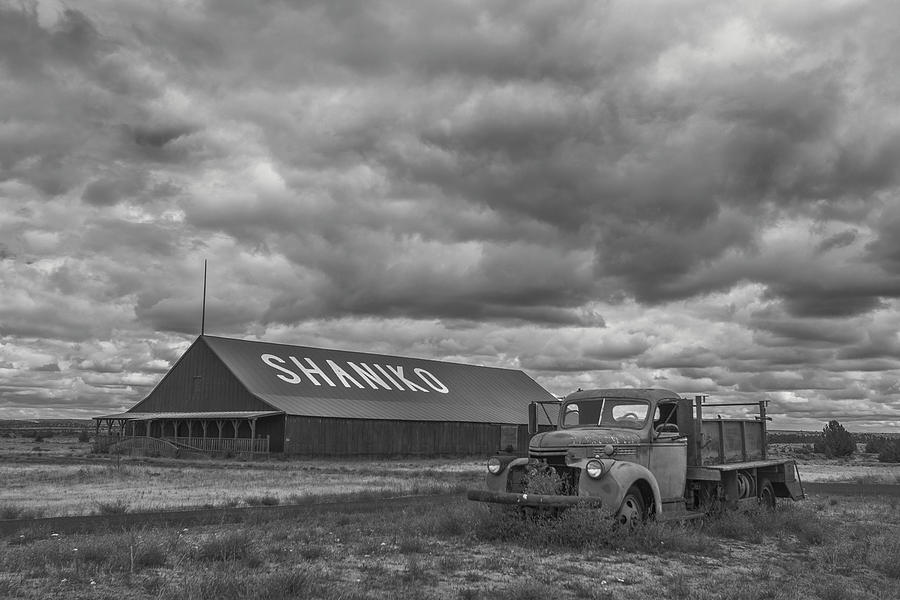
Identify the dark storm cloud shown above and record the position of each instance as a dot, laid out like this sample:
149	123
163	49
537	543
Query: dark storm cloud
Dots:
885	248
830	299
49	367
107	191
568	364
838	240
784	330
28	50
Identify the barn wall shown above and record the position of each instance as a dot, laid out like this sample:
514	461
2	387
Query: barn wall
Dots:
274	428
318	436
198	382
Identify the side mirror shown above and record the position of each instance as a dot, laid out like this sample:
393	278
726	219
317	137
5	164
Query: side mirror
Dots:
532	418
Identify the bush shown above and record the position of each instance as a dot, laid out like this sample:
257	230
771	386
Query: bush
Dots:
83	436
874	446
889	451
835	441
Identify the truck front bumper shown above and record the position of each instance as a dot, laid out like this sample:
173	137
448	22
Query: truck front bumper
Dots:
532	500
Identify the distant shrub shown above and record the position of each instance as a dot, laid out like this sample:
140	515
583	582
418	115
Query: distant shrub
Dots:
804	450
83	436
835	441
889	451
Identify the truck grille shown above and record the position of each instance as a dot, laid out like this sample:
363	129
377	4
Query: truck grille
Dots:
591	450
546	453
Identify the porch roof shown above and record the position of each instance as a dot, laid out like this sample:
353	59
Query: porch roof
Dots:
234	414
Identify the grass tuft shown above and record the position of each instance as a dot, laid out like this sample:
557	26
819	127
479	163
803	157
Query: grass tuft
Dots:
264	500
240	585
228	546
118	506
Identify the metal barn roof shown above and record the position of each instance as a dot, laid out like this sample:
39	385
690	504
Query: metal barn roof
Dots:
223	415
318	382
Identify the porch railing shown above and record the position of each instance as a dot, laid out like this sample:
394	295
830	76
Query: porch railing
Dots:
223	445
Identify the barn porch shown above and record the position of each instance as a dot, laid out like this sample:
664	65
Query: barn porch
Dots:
214	432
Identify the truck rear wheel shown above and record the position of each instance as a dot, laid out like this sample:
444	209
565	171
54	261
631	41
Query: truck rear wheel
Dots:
766	494
633	510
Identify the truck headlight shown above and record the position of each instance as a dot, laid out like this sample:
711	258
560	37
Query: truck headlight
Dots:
494	466
594	469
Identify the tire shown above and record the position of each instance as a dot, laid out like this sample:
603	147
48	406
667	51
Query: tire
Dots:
633	510
766	495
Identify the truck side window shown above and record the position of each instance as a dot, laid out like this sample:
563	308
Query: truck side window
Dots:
665	418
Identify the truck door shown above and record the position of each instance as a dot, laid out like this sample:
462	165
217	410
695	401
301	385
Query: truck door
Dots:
668	451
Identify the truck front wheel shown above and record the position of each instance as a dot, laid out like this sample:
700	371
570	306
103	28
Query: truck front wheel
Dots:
766	494
633	510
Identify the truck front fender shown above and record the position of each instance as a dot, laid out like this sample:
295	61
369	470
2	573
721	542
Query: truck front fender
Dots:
497	483
617	479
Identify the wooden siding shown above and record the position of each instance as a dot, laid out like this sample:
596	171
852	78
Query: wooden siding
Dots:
199	382
169	446
318	436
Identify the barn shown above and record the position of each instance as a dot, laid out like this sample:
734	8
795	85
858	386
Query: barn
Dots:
231	395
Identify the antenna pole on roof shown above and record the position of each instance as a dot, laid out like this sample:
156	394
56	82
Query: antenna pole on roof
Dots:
203	313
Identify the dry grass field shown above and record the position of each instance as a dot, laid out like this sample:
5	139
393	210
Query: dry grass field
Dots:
64	480
824	548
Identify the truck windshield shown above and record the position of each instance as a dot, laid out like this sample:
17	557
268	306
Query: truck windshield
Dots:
605	412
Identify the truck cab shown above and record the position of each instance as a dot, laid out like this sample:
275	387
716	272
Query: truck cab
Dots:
635	453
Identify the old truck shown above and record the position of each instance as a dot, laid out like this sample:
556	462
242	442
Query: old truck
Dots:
640	453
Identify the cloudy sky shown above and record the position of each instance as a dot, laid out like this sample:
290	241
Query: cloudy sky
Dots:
696	195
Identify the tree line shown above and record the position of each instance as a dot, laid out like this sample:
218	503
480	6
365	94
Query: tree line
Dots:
835	441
